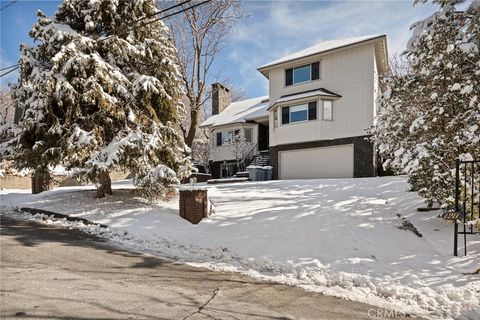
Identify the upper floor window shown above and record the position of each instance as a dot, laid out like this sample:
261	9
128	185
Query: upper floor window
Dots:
275	118
299	113
327	110
302	74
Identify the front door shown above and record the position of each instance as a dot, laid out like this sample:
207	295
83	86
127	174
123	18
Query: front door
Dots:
262	137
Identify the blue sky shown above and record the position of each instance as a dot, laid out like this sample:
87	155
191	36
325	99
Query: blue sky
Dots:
271	30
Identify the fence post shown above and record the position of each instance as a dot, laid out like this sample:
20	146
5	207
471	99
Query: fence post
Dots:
457	200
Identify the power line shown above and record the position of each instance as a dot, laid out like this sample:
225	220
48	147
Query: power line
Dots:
9	67
8	5
4	74
162	11
159	18
142	25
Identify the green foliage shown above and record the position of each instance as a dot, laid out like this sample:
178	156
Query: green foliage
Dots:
430	115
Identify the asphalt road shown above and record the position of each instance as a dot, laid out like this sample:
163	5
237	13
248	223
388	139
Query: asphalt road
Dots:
53	273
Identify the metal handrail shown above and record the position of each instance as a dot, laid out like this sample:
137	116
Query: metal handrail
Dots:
247	158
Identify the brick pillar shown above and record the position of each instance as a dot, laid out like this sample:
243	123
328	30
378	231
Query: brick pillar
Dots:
194	205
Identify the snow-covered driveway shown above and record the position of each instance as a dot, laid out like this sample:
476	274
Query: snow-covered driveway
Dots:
336	236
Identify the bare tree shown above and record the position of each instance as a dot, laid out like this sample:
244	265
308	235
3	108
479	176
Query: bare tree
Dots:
7	109
201	152
199	34
240	148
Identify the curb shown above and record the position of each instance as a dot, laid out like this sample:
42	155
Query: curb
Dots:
34	211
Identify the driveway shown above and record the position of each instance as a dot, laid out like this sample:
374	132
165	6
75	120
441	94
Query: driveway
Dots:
53	273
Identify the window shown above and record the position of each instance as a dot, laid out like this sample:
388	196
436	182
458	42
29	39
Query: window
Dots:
248	135
299	113
302	74
303	112
275	118
327	110
226	137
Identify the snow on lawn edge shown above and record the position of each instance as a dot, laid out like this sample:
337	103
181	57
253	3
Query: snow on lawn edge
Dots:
447	303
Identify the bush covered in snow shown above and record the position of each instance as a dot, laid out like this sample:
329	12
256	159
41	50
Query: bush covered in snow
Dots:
101	92
430	115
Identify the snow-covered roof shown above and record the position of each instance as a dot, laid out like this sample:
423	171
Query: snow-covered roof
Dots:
239	112
321	47
306	94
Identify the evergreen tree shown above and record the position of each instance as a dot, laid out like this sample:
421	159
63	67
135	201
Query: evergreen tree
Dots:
430	116
101	92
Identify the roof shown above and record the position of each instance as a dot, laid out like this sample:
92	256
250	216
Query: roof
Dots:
239	112
306	94
321	47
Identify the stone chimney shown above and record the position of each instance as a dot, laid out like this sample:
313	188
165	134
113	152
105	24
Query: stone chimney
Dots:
220	98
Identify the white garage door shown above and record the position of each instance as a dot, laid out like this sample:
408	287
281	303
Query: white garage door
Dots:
327	162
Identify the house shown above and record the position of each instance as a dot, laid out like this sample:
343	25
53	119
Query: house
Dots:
320	102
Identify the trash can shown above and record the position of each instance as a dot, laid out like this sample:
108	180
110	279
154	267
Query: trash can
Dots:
252	173
268	172
262	173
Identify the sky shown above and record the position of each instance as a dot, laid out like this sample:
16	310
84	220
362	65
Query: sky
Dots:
270	30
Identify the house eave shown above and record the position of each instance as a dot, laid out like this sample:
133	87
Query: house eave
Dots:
264	69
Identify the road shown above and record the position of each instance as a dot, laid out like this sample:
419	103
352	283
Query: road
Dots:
53	273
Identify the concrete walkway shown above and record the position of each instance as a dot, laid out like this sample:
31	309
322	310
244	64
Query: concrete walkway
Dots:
53	273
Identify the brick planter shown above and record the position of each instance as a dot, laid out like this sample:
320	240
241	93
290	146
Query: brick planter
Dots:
194	205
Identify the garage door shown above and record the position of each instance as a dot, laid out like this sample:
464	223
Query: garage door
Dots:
314	163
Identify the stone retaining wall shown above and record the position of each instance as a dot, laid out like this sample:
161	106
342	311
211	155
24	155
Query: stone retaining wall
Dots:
18	182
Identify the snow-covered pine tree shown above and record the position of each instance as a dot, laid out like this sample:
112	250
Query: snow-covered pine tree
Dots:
431	115
101	92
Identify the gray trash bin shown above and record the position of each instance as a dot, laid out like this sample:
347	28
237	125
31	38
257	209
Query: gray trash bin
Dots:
268	172
252	173
260	174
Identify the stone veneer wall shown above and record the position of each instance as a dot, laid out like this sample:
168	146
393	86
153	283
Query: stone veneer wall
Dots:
363	154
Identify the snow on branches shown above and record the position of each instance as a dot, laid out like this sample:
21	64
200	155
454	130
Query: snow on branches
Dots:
100	95
430	115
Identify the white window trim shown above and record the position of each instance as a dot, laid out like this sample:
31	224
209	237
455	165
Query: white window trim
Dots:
303	121
323	110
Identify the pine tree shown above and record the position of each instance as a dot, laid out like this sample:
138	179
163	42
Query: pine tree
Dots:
430	116
101	92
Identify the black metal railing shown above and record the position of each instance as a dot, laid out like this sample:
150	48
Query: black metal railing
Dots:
247	159
467	200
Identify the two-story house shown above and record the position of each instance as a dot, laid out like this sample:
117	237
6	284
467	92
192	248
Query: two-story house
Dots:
320	102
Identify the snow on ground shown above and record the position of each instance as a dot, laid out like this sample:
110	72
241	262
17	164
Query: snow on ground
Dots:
336	236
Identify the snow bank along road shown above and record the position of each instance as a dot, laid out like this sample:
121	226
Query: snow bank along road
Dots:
54	273
353	238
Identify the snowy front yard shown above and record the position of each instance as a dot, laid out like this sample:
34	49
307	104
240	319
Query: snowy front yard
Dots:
336	236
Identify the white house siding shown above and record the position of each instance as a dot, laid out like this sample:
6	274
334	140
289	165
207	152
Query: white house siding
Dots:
221	153
347	72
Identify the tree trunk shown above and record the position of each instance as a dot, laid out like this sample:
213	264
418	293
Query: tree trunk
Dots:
41	181
104	184
193	128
